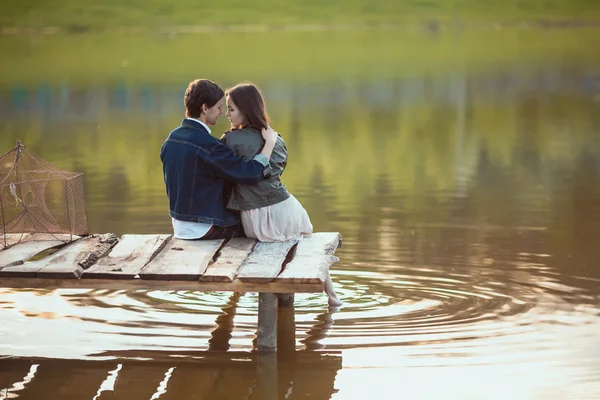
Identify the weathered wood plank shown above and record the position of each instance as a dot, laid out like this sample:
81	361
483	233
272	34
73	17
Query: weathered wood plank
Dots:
233	255
30	245
16	238
134	284
22	252
63	237
128	257
182	260
68	262
265	262
12	238
313	257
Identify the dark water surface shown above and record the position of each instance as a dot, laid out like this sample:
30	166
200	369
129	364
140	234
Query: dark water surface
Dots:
466	188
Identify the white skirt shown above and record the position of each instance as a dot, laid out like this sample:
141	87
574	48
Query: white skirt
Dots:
286	220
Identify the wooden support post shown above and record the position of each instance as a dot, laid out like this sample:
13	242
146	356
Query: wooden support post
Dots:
267	322
286	299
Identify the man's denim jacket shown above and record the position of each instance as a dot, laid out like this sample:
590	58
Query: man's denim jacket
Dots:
195	167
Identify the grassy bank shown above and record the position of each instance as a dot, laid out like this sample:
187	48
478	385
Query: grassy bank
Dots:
281	57
80	14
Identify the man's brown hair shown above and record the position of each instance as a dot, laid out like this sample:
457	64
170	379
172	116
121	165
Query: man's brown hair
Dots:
198	92
251	104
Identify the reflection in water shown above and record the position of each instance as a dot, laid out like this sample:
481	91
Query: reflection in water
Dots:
11	393
318	332
469	204
162	387
222	334
109	383
199	376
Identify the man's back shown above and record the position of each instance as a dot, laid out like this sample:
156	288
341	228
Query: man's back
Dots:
195	166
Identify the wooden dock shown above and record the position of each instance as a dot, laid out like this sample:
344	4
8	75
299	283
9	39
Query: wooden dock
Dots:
159	261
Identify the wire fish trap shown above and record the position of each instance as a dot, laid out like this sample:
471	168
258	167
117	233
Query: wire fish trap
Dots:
38	200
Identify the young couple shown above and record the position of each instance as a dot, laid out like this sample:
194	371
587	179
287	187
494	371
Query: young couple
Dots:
211	183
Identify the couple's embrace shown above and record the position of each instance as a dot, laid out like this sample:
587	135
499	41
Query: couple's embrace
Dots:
212	184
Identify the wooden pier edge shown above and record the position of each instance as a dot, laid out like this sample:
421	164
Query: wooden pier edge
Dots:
159	262
149	284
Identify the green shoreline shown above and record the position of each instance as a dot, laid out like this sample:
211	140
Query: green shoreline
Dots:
84	15
317	56
432	25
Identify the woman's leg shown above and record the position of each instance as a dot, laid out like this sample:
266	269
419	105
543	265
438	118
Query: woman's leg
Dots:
334	300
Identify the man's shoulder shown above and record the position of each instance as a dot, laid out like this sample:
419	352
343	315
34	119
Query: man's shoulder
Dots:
181	135
185	134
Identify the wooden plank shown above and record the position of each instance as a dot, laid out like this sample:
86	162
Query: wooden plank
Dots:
12	239
21	252
232	256
265	262
31	245
313	257
146	284
15	238
128	257
182	260
68	262
63	237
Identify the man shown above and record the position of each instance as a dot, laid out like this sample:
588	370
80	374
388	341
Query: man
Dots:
196	165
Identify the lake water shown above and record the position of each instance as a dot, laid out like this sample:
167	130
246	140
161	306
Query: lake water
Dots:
462	169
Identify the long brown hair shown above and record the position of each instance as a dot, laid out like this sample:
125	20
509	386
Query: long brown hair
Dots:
251	104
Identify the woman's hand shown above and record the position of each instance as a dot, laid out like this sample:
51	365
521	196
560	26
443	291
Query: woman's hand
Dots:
269	134
270	137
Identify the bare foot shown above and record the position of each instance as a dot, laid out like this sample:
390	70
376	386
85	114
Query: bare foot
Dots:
334	302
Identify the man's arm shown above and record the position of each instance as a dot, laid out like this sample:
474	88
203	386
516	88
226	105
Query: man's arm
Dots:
228	165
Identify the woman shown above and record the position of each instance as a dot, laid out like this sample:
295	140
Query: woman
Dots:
269	212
